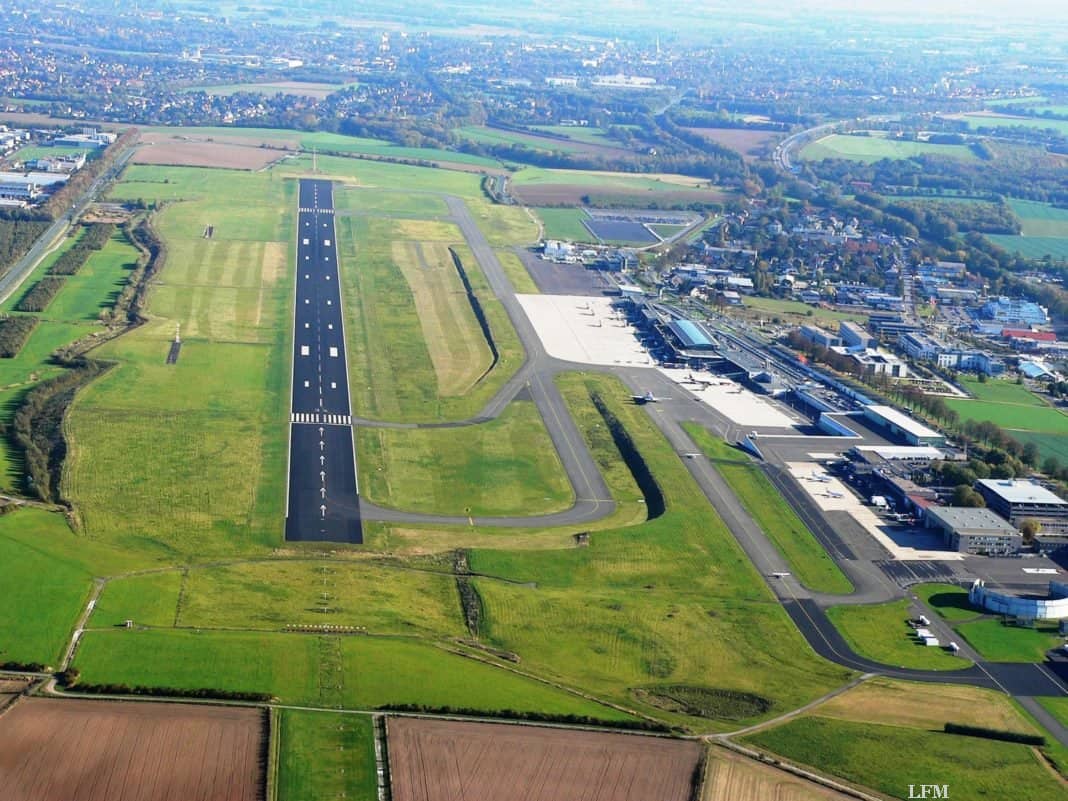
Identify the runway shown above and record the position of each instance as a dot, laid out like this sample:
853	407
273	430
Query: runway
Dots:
322	497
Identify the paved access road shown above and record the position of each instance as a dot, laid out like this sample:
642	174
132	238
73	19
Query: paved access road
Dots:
322	501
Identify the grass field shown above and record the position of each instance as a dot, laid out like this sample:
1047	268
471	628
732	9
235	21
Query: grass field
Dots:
890	758
925	706
31	152
581	133
1055	445
505	467
148	600
1012	416
975	121
316	670
640	605
456	344
517	273
795	310
541	144
1001	391
325	756
1033	247
565	224
949	600
807	558
1001	643
880	632
387	203
1040	219
1058	707
870	149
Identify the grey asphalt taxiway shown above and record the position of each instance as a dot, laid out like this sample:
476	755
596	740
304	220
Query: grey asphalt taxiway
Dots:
322	502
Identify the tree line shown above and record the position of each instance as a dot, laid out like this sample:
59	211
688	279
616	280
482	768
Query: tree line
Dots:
14	331
38	296
90	239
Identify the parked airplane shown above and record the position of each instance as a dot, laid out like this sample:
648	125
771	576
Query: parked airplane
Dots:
833	494
818	476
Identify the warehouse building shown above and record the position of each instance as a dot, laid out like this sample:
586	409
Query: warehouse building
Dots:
1017	500
903	426
974	530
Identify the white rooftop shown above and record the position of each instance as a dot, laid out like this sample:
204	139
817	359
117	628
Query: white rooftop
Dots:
902	421
892	452
1019	491
39	178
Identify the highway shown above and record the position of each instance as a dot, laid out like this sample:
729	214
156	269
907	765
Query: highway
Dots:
322	496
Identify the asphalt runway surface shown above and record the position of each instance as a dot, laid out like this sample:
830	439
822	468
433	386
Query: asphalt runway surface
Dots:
322	500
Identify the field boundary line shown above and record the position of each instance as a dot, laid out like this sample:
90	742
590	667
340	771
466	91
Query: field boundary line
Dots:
800	710
274	750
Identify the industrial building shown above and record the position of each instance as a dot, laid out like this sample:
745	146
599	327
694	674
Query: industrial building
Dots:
1017	500
853	336
974	530
878	362
1014	312
1053	607
817	336
903	426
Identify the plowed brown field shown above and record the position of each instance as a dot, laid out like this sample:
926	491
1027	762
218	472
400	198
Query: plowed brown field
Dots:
60	750
437	760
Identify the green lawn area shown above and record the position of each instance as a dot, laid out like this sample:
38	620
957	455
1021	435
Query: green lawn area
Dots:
581	133
532	176
1058	707
565	224
1040	219
890	758
150	599
1001	391
1033	247
880	632
807	558
870	149
673	600
795	308
544	144
1001	643
504	467
339	143
315	670
949	600
386	203
517	273
1055	445
46	574
976	121
96	286
323	755
1012	416
30	152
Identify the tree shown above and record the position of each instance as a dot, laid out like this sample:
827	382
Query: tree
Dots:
963	495
1029	527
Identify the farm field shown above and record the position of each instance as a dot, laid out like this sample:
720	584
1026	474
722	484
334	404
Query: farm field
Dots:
1033	247
809	561
731	776
294	88
541	187
1055	445
1040	219
749	143
111	751
507	466
325	756
1012	416
1001	643
880	632
889	758
995	120
433	760
870	149
651	596
320	670
545	144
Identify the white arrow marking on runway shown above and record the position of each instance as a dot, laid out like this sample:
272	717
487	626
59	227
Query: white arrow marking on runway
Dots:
322	492
321	446
322	460
322	476
321	429
323	509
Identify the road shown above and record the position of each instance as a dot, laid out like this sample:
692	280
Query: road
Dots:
322	496
13	278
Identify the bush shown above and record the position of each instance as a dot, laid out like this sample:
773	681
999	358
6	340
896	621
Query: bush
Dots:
14	331
40	294
173	692
539	717
994	734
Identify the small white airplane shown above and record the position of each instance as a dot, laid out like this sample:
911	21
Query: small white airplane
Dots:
818	476
648	397
833	494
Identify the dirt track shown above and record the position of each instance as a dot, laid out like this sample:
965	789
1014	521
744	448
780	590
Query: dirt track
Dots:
433	760
73	750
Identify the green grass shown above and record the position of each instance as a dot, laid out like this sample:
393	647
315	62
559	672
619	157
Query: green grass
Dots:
541	144
890	758
1001	391
1033	247
807	558
97	284
383	175
356	672
949	600
1002	643
879	632
869	149
1040	219
46	575
323	755
653	182
149	600
517	273
386	203
1012	416
777	306
42	152
1055	445
976	121
505	467
379	597
43	591
565	224
671	601
586	134
1058	707
384	327
376	147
